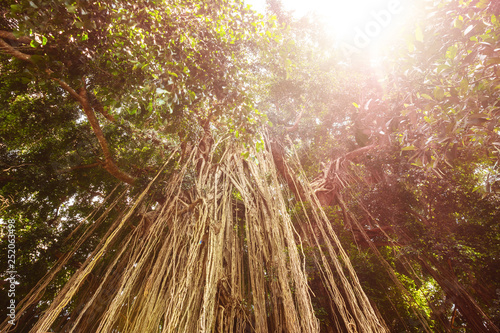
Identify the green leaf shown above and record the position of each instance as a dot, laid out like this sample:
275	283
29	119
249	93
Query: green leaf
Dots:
419	36
468	30
16	8
464	85
33	43
441	68
355	105
259	146
71	9
17	34
412	147
457	23
426	96
439	93
418	162
481	5
451	53
411	47
38	59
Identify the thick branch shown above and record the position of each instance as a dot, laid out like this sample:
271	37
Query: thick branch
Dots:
350	156
7	48
82	98
79	167
10	35
16	166
329	183
475	317
293	184
190	207
327	188
66	87
109	163
295	124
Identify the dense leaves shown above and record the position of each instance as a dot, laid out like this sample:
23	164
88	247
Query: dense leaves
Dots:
94	94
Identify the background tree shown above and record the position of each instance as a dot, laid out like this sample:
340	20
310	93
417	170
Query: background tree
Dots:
194	166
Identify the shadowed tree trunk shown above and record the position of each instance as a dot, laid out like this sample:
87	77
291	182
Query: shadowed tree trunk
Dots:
476	319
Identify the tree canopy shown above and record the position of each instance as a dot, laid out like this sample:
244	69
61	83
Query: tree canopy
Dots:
182	166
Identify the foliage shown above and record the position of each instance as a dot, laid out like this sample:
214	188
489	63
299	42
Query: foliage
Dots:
406	165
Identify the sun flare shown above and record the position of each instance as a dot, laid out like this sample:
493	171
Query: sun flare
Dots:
357	27
345	16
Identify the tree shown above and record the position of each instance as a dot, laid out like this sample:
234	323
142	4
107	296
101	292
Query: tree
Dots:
190	166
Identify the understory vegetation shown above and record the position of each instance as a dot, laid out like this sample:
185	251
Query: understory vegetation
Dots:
194	166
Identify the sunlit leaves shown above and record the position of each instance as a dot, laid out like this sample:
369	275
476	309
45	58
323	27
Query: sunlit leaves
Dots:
419	36
464	85
438	93
458	84
409	148
451	53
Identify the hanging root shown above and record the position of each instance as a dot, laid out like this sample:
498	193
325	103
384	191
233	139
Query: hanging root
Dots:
220	256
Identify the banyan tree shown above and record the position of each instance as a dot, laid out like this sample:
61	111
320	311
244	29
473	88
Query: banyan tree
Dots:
188	166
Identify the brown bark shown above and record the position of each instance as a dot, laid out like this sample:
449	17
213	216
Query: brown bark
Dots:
16	166
82	98
10	35
5	47
295	123
329	183
79	167
190	207
293	184
476	319
109	163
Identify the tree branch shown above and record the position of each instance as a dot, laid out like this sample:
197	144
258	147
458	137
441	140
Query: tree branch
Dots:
350	156
82	98
16	166
10	35
109	163
329	183
78	167
279	161
7	48
190	207
66	87
295	124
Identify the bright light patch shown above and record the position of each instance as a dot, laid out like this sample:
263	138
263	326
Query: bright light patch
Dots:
357	26
342	16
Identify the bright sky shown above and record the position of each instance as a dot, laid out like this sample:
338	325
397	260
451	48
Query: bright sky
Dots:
357	24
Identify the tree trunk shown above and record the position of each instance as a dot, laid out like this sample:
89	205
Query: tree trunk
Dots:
475	317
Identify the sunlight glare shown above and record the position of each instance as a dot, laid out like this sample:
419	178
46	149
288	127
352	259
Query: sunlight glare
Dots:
342	16
358	27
